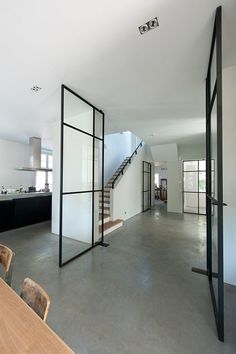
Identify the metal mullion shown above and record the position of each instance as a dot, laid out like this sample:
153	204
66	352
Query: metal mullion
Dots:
198	185
81	131
220	175
93	175
191	192
81	98
103	147
212	99
81	253
61	176
150	173
208	177
78	192
143	184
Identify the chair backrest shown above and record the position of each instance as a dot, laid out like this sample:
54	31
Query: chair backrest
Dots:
6	255
35	297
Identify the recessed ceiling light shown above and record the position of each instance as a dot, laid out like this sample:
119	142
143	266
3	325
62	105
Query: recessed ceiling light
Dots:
149	25
36	88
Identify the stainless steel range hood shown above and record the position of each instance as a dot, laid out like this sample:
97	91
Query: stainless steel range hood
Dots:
35	157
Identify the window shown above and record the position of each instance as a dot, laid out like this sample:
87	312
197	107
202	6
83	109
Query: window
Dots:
194	174
157	179
43	177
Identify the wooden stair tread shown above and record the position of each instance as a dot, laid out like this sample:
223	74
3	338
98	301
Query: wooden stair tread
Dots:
110	224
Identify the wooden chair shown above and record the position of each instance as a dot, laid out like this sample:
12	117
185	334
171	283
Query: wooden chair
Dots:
6	259
35	297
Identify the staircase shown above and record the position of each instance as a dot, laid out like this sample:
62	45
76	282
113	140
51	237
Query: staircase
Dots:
110	225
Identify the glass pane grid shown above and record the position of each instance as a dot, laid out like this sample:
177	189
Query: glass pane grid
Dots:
194	182
82	182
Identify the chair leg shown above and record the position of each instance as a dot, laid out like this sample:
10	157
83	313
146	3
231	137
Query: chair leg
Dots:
8	276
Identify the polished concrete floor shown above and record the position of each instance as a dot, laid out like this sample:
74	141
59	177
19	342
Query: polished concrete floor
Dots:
137	296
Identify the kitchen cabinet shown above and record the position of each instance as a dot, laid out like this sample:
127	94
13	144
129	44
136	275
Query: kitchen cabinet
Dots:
25	210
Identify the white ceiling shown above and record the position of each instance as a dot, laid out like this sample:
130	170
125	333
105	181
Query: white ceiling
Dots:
150	84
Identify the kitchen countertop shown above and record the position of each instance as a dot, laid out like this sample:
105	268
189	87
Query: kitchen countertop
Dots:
12	196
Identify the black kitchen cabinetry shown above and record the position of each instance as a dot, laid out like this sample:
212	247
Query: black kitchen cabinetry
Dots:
21	212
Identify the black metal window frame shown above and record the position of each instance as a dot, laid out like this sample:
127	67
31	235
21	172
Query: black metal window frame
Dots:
148	172
211	96
190	192
93	190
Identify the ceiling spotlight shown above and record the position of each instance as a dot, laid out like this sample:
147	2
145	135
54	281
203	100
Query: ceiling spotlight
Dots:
143	29
36	88
149	25
153	23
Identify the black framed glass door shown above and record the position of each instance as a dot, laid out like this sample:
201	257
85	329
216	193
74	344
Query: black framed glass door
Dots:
214	185
147	185
81	176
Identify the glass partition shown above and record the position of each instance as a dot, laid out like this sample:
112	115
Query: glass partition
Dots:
214	187
82	177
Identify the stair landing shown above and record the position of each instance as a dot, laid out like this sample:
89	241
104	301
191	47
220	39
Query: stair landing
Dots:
111	226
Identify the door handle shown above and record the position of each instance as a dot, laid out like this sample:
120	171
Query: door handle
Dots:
215	202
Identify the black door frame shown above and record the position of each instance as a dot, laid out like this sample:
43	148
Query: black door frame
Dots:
147	170
213	94
93	190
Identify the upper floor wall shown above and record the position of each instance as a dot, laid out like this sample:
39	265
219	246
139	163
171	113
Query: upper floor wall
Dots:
117	147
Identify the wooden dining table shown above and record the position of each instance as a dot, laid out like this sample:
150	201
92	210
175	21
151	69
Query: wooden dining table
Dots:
22	331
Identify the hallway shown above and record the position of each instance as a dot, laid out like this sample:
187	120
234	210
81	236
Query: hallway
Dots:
136	296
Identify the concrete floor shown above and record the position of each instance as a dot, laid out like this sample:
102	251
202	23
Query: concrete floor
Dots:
137	296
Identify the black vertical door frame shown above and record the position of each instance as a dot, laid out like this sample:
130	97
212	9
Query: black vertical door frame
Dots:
211	96
93	190
149	190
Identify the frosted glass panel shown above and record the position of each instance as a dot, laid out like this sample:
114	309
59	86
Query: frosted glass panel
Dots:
146	181
214	149
77	113
190	181
191	202
146	167
202	203
214	231
146	202
202	181
190	165
97	218
98	164
202	165
77	224
78	158
98	124
213	70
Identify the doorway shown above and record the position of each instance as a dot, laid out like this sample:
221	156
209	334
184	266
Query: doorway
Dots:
147	175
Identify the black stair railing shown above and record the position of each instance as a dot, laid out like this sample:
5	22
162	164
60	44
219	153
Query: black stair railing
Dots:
125	165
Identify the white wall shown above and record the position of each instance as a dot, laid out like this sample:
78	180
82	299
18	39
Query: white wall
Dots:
174	187
192	152
117	148
229	173
126	198
166	152
161	169
12	155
